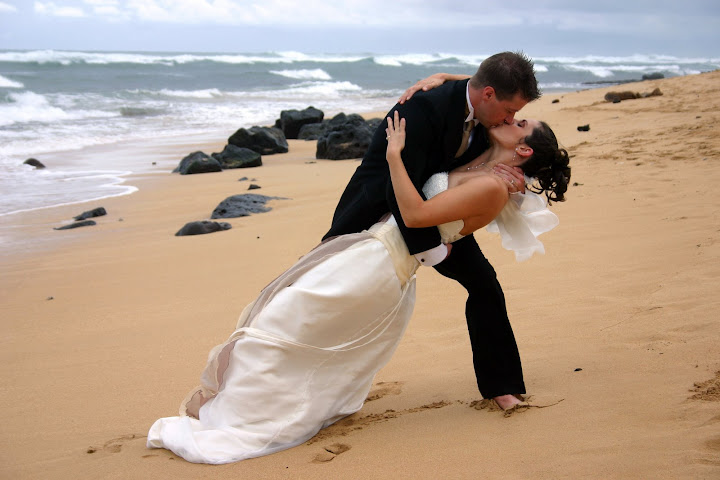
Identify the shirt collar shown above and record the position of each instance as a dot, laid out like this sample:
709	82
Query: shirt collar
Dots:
470	108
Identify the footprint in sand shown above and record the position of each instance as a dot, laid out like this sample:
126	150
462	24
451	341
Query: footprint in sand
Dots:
712	458
115	445
382	389
358	422
708	390
330	452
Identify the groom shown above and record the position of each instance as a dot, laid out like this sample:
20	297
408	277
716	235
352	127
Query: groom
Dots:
437	128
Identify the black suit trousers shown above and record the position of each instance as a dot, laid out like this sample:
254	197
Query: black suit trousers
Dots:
495	354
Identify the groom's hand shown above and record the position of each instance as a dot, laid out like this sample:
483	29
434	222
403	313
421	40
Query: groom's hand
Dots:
513	177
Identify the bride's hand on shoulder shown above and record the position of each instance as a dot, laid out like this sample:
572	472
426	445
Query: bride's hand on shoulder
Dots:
433	81
395	134
512	176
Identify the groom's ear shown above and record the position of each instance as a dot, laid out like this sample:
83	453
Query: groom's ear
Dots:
488	93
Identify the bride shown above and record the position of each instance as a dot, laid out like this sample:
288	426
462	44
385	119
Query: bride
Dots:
305	352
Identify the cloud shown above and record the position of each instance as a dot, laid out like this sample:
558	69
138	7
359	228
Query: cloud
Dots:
338	13
49	8
493	19
5	8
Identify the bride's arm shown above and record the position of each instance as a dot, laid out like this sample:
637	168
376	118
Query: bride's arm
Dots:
434	80
480	199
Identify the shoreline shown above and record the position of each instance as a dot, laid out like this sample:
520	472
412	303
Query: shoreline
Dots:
155	161
108	327
164	152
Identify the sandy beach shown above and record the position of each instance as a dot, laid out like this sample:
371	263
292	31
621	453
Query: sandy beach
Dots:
106	328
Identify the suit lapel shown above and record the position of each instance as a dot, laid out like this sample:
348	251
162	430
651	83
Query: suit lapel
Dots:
454	127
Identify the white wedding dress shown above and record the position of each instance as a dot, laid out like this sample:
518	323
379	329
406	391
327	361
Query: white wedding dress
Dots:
305	353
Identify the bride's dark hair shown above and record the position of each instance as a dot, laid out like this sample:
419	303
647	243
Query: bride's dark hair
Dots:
549	164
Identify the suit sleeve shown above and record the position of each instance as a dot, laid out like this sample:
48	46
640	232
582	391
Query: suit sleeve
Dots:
421	142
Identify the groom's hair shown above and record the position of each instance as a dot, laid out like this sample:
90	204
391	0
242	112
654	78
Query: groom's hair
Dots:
509	73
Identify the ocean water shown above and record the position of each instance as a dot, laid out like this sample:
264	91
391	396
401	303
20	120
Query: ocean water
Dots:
56	104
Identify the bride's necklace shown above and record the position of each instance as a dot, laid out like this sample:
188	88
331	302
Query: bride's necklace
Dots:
474	167
483	165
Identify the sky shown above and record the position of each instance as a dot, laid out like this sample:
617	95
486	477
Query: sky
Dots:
539	28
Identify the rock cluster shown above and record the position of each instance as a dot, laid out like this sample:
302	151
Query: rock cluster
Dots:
345	137
342	137
263	140
244	149
81	220
291	121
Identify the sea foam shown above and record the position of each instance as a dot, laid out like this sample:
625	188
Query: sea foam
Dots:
316	74
26	107
7	83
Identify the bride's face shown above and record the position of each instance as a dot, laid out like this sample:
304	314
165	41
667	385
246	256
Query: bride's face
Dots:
510	135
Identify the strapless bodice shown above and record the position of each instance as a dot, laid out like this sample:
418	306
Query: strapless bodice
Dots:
438	183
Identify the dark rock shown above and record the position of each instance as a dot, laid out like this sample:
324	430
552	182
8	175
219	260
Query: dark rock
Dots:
202	227
242	205
347	136
373	123
292	120
312	131
338	119
653	76
342	119
233	156
253	187
556	101
263	140
626	95
584	128
609	82
197	162
33	162
654	93
95	212
243	179
617	97
84	223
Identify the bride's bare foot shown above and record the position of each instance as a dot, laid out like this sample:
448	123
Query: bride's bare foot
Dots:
506	402
192	407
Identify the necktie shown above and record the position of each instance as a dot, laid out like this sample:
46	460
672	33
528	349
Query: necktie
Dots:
467	129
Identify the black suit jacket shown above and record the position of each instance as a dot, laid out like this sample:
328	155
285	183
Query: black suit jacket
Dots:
434	125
